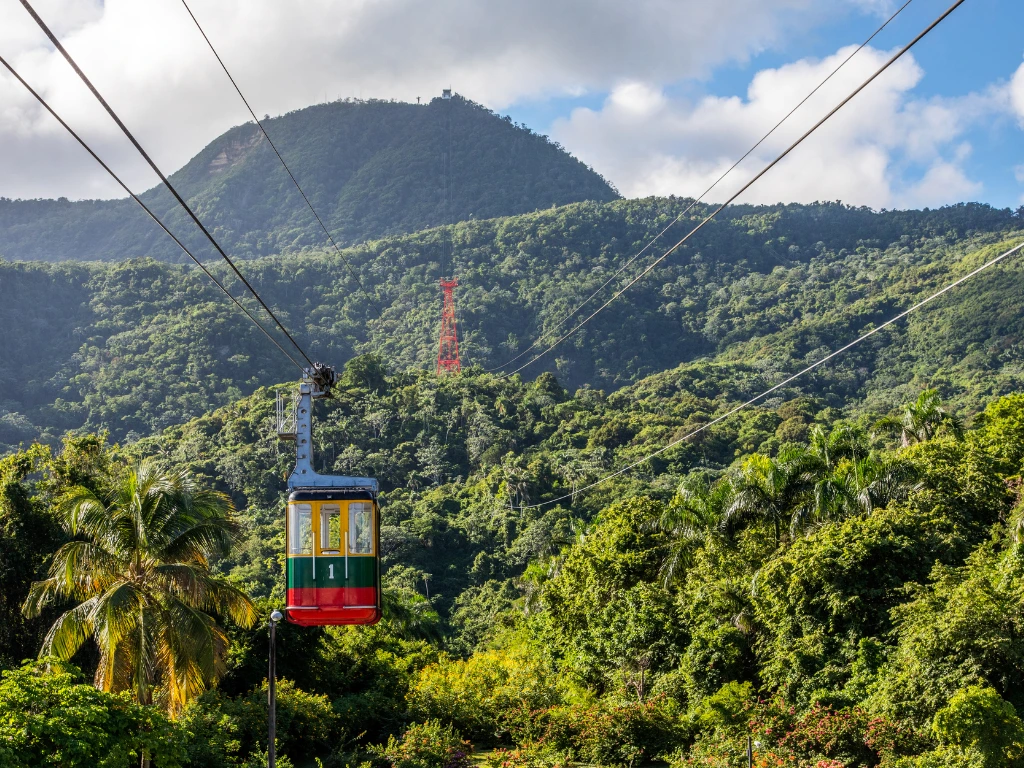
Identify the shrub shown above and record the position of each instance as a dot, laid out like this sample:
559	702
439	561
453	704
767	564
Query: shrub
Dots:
228	731
607	733
427	745
49	716
978	719
525	756
624	735
485	696
819	737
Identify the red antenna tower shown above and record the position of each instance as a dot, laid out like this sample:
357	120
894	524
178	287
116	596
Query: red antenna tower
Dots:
448	351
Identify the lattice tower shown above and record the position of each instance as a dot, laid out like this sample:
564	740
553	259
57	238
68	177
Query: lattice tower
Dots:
448	349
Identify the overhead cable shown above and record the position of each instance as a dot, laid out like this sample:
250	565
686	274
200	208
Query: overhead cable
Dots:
745	187
163	178
707	191
794	377
359	282
146	208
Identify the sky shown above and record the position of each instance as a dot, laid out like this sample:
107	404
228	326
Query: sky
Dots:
659	96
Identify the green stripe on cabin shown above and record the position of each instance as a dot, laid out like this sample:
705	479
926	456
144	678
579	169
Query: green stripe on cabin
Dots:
362	572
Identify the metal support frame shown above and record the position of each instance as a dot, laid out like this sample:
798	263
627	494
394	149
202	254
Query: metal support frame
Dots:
286	409
315	386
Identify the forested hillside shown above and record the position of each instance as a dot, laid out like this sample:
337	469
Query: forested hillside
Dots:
846	593
138	346
370	169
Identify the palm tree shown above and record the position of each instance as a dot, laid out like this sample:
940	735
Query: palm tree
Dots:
141	576
921	420
576	467
843	441
855	486
773	489
879	481
694	518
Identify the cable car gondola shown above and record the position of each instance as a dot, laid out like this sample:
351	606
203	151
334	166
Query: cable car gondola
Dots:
332	526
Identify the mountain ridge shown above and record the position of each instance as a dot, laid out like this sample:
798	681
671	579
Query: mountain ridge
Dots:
370	168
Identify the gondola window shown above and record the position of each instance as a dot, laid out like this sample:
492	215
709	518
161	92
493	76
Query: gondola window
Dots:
301	530
360	527
330	528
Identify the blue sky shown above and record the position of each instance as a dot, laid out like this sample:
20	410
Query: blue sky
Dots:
660	96
979	46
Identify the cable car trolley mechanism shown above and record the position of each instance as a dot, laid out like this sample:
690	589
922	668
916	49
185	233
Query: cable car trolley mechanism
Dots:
332	525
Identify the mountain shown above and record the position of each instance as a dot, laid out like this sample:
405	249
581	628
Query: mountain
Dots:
138	346
370	169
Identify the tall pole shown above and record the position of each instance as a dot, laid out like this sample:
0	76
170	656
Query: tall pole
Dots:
275	617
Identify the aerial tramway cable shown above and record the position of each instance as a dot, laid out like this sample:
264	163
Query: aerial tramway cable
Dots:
899	54
707	191
359	282
794	377
146	208
163	178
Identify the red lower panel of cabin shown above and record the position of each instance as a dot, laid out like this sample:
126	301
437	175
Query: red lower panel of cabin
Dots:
312	607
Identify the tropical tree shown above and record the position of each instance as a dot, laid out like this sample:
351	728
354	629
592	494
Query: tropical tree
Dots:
139	569
411	616
843	441
849	478
880	480
921	420
694	518
577	467
773	489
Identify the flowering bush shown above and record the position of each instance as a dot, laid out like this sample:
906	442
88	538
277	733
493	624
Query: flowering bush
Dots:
427	745
820	737
525	756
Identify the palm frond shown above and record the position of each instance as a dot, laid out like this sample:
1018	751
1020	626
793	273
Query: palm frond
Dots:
191	652
79	570
117	614
69	631
201	541
197	589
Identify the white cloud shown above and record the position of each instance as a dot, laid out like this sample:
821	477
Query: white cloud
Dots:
151	63
1017	93
884	149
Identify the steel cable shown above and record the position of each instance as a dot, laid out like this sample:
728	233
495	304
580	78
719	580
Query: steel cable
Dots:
359	282
707	191
144	207
746	186
163	178
794	377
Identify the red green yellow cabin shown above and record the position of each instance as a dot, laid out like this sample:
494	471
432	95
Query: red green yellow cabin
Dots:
333	567
332	525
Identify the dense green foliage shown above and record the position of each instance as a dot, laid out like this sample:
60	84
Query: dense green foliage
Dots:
836	572
49	716
139	346
793	576
370	169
